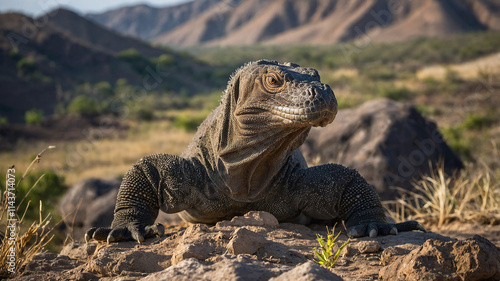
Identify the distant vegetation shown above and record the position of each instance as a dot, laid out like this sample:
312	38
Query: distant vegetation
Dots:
369	59
129	102
140	102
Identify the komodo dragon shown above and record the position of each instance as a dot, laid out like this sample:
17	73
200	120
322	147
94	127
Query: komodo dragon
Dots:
245	157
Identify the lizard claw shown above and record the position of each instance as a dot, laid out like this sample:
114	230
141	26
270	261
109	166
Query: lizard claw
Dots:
352	233
373	229
89	233
394	231
126	233
421	228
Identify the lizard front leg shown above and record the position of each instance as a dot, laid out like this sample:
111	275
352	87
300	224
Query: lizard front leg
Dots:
334	191
159	181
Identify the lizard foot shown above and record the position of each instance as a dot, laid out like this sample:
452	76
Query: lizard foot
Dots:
373	229
125	233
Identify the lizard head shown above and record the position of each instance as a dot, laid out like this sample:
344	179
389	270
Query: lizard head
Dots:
265	115
281	95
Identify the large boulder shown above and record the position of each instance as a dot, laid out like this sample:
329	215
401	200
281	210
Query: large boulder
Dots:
470	259
389	143
89	203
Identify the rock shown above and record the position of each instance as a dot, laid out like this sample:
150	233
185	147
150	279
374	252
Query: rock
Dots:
111	261
195	231
196	243
50	261
309	271
365	247
51	266
239	268
388	142
255	218
89	203
470	259
94	201
245	241
390	254
200	251
79	250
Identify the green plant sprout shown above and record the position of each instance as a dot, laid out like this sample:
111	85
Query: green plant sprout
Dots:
326	256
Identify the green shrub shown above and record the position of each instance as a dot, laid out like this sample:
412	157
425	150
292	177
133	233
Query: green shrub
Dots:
327	255
165	60
475	122
14	54
26	67
129	55
135	59
4	121
348	102
379	72
103	89
428	110
396	93
33	117
49	190
83	106
189	122
457	141
143	114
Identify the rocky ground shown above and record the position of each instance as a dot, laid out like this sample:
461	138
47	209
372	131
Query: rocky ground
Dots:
257	247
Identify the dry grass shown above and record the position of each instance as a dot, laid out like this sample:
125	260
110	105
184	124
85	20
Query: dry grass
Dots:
21	242
467	70
472	196
105	157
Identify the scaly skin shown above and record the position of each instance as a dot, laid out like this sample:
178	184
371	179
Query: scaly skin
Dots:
245	157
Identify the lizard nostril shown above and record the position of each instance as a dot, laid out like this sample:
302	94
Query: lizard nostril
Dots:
311	93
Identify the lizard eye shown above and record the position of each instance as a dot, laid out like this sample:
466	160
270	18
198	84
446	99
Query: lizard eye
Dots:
273	82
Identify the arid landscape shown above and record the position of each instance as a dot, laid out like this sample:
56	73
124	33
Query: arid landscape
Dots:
418	88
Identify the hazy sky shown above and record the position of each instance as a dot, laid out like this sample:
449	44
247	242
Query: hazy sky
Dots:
39	7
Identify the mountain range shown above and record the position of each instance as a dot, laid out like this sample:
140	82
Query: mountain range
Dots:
318	22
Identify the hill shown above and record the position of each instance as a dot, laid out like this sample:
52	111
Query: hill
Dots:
237	22
46	61
37	66
87	31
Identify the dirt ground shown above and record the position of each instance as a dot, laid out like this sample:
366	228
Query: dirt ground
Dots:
466	230
257	247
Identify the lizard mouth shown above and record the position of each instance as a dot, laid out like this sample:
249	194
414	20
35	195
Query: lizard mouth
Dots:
309	115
